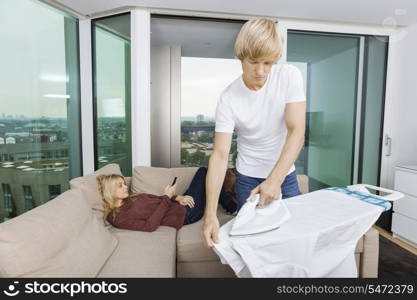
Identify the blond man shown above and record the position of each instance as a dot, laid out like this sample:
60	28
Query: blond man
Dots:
266	106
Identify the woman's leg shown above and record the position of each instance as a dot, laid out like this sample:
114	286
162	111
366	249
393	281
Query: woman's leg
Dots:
197	190
289	187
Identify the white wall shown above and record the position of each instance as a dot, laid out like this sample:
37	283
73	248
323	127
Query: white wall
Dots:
160	105
404	122
165	106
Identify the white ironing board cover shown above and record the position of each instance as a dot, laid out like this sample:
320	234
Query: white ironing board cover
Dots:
317	241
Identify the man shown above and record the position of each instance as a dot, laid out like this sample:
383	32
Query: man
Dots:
266	106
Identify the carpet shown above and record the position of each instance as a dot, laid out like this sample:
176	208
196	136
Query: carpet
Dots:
395	261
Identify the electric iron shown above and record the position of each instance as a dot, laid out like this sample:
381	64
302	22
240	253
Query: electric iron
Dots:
253	219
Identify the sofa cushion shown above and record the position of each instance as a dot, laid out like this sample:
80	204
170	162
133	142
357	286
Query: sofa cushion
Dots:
88	184
142	254
60	238
154	180
190	246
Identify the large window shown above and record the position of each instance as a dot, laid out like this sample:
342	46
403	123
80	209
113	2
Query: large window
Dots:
201	85
39	103
192	62
112	92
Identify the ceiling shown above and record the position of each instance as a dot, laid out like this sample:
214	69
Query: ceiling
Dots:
376	12
214	39
196	38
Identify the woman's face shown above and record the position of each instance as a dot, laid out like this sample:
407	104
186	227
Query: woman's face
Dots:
121	190
256	71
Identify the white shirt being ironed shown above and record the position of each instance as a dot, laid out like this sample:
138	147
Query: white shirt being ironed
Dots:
259	118
318	241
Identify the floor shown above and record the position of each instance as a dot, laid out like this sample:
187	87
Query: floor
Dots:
397	259
400	243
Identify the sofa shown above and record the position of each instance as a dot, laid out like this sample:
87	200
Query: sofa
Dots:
67	237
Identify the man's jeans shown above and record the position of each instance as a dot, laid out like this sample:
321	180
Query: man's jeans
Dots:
244	185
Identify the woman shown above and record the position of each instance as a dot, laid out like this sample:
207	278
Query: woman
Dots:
266	106
146	212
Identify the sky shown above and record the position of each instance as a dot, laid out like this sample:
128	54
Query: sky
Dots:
203	80
32	61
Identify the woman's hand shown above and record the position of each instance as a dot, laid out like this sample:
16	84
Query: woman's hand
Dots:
185	200
170	190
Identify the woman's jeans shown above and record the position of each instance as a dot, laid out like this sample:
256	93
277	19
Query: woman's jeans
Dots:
197	190
244	185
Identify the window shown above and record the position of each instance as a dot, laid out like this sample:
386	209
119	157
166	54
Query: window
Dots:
201	86
54	190
9	208
8	200
111	39
27	194
192	61
39	100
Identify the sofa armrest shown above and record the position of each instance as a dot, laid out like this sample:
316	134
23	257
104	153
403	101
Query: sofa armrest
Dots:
368	267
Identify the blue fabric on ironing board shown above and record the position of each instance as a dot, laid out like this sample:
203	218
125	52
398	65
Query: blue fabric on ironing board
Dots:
362	196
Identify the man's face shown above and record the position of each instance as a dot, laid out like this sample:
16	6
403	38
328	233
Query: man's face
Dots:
256	71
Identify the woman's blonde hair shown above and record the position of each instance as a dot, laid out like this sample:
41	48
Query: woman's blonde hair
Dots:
259	39
106	186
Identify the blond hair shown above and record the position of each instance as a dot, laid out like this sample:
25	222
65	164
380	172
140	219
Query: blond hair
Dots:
259	39
106	185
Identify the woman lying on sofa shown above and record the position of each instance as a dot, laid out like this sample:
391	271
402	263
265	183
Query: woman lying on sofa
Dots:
145	212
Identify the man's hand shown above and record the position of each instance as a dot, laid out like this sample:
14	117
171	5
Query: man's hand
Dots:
185	200
210	231
268	191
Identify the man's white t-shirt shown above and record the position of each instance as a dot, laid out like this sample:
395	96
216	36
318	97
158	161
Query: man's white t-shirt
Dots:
258	118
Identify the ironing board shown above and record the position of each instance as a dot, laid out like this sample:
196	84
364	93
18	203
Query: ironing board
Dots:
318	240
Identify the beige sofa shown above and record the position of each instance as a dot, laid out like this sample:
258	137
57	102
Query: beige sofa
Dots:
66	237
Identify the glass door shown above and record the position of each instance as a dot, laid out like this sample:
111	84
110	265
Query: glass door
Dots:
344	79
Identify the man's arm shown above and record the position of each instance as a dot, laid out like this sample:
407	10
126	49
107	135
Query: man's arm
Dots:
295	121
270	189
214	182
